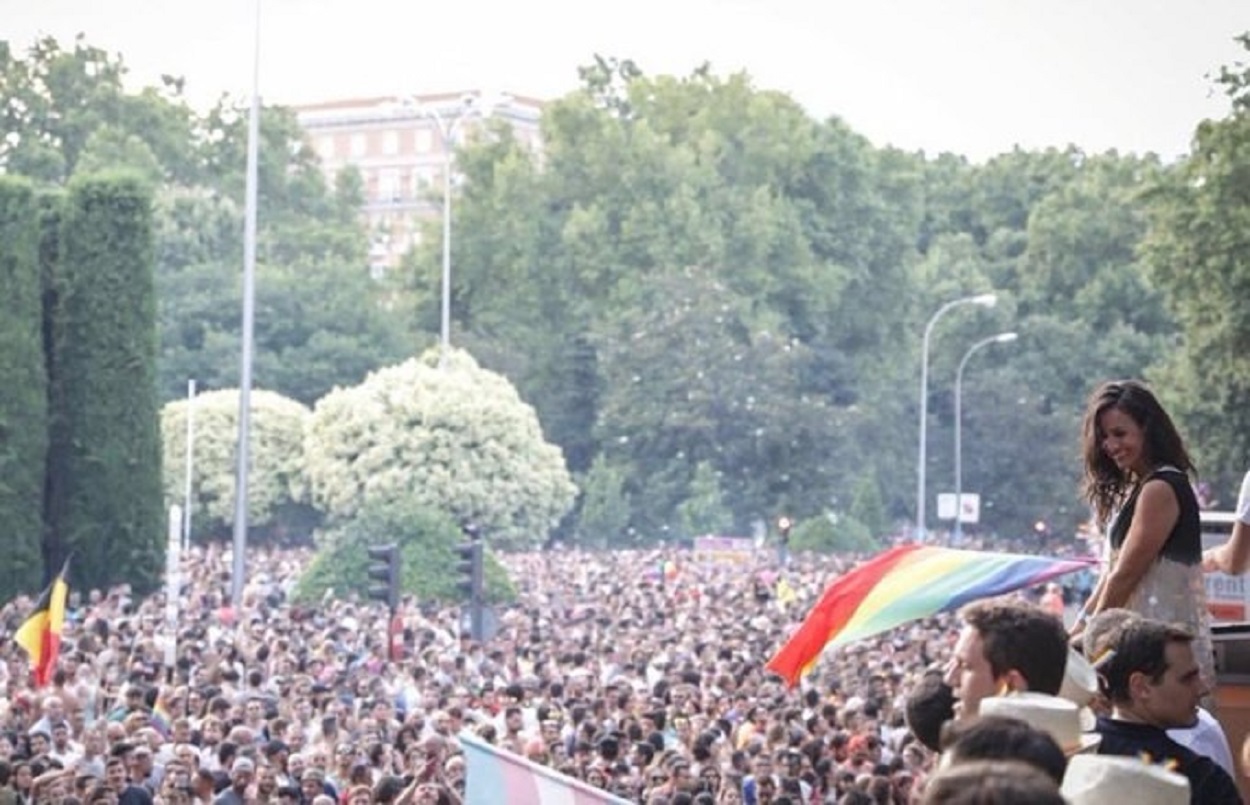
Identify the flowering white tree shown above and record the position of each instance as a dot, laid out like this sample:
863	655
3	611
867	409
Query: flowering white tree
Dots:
276	477
455	438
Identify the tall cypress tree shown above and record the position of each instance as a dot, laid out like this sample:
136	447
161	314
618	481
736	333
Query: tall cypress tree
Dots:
104	460
23	390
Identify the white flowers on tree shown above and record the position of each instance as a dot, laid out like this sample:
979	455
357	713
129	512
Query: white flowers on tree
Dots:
276	477
456	438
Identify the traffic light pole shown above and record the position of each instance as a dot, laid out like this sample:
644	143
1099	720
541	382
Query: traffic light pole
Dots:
385	568
472	582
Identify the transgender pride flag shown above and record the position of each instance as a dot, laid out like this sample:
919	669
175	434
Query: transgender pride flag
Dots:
499	777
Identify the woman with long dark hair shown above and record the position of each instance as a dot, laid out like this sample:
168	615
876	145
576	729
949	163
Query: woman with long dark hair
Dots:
1139	483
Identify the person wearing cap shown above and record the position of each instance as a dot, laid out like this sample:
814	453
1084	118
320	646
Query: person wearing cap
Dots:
1005	645
1154	683
242	771
1098	779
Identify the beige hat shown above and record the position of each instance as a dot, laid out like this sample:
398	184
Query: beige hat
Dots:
1058	717
1080	686
1099	779
1080	680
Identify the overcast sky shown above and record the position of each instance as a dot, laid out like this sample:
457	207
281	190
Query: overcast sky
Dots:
976	77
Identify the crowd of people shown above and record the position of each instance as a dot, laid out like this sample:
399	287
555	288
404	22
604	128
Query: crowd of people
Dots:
642	674
647	685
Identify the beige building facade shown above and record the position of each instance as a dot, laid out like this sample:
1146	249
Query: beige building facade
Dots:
399	145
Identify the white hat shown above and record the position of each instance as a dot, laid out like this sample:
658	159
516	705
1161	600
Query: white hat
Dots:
1098	779
1057	717
1080	680
1080	686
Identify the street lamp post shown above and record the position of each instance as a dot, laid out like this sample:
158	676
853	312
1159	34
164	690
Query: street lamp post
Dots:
447	129
985	300
1001	338
239	544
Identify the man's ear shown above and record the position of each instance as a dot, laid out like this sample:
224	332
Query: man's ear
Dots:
1013	682
1139	685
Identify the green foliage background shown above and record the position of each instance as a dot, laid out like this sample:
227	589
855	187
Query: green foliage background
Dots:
104	459
712	301
24	391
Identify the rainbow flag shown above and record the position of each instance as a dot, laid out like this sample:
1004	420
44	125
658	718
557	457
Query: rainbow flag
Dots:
495	776
905	584
40	633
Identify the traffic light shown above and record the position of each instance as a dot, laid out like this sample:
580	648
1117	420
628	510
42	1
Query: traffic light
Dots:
469	579
469	570
384	574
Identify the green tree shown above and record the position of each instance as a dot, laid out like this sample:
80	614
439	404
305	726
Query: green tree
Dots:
830	533
703	511
1198	250
449	435
604	512
321	322
278	506
104	461
24	393
60	100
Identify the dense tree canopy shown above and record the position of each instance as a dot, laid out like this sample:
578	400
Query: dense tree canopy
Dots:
1199	250
713	301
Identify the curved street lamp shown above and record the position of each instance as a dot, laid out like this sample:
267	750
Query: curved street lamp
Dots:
447	136
985	300
1001	338
469	106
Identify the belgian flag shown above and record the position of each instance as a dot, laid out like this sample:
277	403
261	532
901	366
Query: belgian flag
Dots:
40	635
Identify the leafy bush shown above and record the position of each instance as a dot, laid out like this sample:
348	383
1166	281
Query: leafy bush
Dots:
452	437
277	488
426	539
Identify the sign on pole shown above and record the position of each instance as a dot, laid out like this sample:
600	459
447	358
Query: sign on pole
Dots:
970	507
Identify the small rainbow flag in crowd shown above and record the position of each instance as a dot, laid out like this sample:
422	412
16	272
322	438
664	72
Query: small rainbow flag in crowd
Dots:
494	776
905	584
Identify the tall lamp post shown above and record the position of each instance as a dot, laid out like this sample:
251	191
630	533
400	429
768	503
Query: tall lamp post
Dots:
447	129
985	300
1001	338
239	546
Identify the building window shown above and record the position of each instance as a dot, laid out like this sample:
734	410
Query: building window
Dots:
360	144
390	143
389	188
325	146
423	141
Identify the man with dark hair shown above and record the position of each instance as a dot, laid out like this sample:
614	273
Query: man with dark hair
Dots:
1006	645
997	781
1206	736
1002	738
930	705
1154	684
